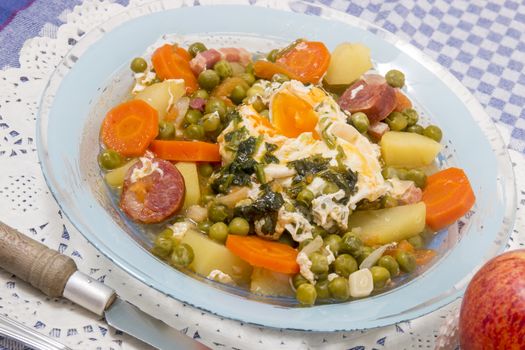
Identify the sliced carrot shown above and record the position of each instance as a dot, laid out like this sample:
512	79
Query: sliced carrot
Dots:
226	87
182	52
447	196
404	246
292	115
424	256
308	59
170	64
270	255
266	70
402	101
192	151
130	127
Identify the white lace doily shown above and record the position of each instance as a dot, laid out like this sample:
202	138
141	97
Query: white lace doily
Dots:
28	206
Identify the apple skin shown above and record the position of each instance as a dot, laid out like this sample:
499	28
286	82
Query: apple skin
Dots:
492	313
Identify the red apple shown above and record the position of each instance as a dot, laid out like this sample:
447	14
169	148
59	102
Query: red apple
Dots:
493	309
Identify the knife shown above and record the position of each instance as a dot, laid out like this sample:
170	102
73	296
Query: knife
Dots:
56	275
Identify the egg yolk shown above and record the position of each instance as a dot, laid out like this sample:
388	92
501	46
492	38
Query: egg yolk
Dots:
291	115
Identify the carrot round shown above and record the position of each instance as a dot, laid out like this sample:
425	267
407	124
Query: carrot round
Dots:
447	196
170	63
130	127
193	151
424	256
402	101
309	60
266	70
270	255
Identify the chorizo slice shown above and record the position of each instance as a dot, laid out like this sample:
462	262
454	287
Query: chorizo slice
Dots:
153	191
370	95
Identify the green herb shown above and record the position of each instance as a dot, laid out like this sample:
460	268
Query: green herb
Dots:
263	208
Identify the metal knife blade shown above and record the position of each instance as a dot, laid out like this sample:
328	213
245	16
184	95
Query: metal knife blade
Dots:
56	275
129	319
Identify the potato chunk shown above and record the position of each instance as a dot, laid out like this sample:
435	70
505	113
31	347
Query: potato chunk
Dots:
347	63
162	95
383	226
406	149
266	282
210	255
188	171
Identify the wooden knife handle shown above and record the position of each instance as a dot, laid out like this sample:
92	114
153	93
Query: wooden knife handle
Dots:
33	262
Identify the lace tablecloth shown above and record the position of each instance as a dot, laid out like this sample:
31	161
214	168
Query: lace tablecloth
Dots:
482	45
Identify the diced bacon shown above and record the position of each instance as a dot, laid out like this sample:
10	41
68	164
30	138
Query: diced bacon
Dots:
377	130
233	54
412	195
204	60
198	103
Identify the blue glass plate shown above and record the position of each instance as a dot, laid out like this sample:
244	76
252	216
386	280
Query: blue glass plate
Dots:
95	76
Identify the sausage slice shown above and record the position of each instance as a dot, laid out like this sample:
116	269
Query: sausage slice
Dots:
370	95
152	196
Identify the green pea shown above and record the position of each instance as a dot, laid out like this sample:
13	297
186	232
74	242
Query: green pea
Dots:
162	247
321	287
306	294
297	280
418	176
216	104
411	115
218	232
389	263
248	78
351	244
217	212
339	288
360	122
182	255
196	48
380	275
238	94
417	129
334	243
166	233
319	263
402	174
305	196
209	79
166	130
433	132
223	68
194	132
395	78
211	122
345	264
249	68
258	105
205	169
272	55
319	231
201	93
389	172
204	226
304	243
255	90
280	78
406	260
207	198
239	226
388	202
192	116
417	241
265	113
365	252
330	188
109	159
397	121
138	65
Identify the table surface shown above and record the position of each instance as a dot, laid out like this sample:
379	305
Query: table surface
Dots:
481	43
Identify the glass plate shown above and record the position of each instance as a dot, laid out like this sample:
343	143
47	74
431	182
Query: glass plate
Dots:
94	76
